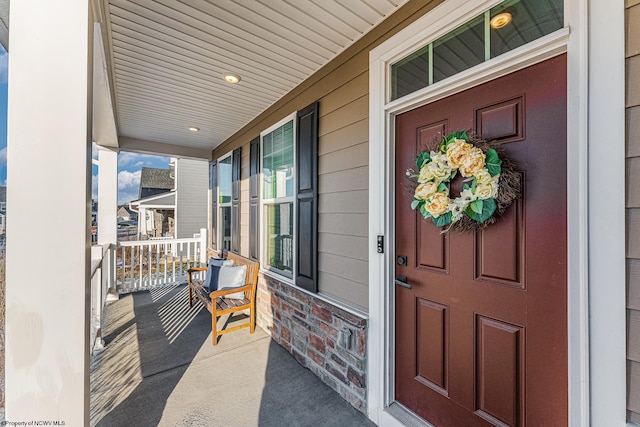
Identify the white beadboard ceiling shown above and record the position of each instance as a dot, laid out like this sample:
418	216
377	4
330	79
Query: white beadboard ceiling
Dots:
168	58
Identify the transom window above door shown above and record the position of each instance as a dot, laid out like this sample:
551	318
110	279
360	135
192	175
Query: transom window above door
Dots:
498	30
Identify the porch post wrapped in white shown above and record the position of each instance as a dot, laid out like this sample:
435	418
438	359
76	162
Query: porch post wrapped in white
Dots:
49	189
107	195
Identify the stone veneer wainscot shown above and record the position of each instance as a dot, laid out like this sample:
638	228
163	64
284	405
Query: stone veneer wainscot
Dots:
309	328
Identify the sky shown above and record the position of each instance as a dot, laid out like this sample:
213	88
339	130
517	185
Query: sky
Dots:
129	164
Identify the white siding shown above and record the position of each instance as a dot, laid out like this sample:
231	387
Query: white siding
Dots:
192	184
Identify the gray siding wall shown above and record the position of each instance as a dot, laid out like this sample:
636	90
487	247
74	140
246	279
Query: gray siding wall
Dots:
192	188
633	207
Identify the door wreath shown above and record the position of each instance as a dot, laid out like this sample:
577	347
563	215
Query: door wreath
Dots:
490	186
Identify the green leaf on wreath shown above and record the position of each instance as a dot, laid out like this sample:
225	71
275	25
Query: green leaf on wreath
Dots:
451	138
460	135
423	158
465	187
473	185
415	203
477	206
424	212
493	162
442	220
442	187
488	208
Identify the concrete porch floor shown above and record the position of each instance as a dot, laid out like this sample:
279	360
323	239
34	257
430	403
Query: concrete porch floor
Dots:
159	368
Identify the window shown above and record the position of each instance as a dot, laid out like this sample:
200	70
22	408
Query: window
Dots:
278	171
224	202
283	198
224	181
499	30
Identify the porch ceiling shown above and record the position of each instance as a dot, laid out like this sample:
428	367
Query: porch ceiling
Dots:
167	59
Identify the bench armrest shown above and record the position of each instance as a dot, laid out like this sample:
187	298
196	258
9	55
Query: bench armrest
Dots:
194	270
221	293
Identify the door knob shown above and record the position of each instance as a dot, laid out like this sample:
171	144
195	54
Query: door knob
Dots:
402	281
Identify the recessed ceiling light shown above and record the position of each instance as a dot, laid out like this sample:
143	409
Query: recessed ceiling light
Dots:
500	20
193	129
231	77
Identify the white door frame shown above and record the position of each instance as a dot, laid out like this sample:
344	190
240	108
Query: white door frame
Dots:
593	39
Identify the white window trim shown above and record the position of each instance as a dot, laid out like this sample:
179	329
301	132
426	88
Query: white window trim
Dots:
274	272
597	359
219	205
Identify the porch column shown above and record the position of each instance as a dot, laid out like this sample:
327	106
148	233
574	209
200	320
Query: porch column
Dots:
607	269
107	195
49	191
142	220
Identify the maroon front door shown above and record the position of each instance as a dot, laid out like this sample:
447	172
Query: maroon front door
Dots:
481	335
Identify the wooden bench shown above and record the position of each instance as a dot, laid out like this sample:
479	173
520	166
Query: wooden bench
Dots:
223	305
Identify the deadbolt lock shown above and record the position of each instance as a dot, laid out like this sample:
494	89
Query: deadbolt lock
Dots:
402	260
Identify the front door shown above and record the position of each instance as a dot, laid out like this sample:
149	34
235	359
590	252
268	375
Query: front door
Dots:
481	335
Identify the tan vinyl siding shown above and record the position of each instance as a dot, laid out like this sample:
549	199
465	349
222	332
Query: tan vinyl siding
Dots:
633	206
633	131
346	137
343	181
346	180
342	87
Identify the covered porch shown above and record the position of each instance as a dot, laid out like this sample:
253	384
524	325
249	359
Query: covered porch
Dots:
159	368
215	81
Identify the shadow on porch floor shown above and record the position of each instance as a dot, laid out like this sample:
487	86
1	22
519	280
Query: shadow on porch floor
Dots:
159	368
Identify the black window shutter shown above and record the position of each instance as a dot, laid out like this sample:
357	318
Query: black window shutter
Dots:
213	185
307	198
235	200
254	197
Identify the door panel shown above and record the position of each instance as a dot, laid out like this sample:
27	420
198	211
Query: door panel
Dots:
500	256
481	337
431	250
503	121
431	355
499	366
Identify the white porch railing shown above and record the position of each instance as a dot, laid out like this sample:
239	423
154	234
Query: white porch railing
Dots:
102	277
146	264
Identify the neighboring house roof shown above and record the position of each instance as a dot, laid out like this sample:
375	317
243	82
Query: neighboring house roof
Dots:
155	181
124	209
159	201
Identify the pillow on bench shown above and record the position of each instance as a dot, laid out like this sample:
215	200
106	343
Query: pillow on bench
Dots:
232	277
211	278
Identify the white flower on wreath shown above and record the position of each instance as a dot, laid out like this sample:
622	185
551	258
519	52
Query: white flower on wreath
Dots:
437	169
456	209
459	204
486	185
426	190
467	196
